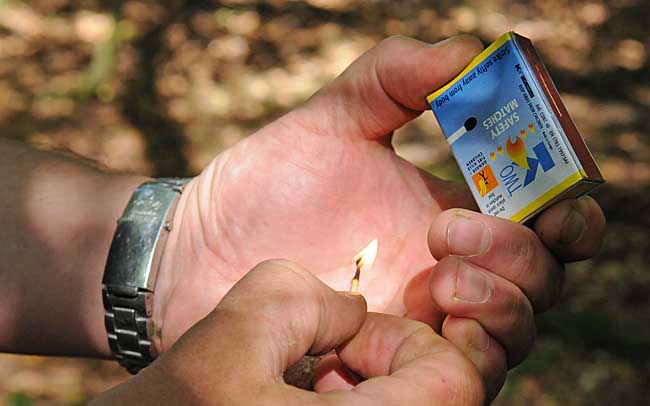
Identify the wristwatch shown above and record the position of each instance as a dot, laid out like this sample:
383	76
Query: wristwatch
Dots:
132	269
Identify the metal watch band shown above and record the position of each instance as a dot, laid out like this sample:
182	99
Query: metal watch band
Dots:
132	269
127	316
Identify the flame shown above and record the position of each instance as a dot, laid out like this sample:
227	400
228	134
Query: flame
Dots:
363	259
367	256
517	152
531	127
500	150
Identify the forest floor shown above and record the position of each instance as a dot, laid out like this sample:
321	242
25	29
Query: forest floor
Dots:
161	90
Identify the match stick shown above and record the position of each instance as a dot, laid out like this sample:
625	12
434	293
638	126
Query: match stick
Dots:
354	286
363	259
469	125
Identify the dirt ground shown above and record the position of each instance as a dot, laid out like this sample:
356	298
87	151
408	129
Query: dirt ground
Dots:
162	87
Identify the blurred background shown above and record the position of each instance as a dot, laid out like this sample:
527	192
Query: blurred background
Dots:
161	87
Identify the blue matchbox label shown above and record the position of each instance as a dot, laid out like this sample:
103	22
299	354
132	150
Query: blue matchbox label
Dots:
503	132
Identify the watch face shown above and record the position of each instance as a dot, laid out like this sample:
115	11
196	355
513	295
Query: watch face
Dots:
140	236
131	254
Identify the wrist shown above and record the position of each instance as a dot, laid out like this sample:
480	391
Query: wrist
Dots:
173	261
192	277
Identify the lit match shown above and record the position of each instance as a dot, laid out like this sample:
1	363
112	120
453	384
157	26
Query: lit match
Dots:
363	259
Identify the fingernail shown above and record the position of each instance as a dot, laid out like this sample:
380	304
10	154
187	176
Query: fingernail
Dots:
472	285
467	237
447	40
573	227
439	43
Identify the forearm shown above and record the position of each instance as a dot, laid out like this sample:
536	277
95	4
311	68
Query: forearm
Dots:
58	216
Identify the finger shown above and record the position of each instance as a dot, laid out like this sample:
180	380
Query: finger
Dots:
407	363
462	289
285	309
506	248
485	353
330	375
387	86
572	229
271	318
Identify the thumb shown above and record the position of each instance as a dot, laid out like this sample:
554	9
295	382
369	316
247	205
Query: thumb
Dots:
387	86
270	319
406	363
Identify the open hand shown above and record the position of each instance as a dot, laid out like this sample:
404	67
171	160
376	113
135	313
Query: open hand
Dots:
318	184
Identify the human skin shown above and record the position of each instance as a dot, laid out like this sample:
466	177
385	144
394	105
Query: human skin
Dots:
273	316
58	215
315	187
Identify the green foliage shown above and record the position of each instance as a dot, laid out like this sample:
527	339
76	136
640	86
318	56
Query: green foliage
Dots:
5	3
447	170
101	67
18	399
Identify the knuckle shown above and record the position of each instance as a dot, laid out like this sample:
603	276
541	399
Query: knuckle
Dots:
277	263
525	250
521	324
392	40
418	341
556	277
421	337
533	269
519	310
281	277
282	268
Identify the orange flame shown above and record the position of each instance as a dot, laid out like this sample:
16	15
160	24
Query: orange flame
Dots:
517	152
363	260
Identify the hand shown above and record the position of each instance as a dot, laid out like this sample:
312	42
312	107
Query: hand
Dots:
271	318
315	187
318	184
493	274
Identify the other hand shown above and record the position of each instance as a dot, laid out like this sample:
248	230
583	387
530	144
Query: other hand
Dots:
276	314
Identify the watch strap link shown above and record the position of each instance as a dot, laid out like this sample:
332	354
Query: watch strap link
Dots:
127	318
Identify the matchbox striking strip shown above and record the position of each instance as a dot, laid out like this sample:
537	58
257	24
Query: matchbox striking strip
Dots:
510	133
